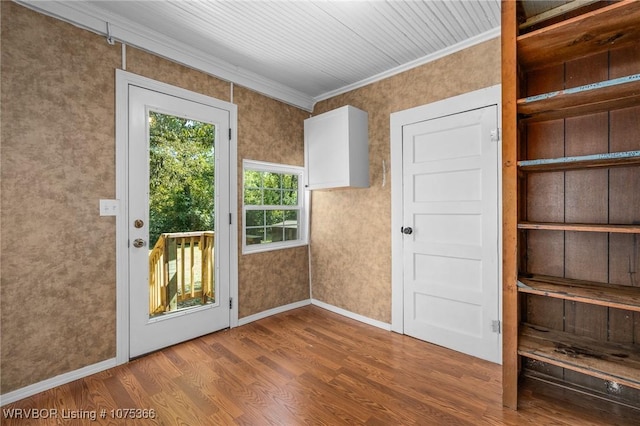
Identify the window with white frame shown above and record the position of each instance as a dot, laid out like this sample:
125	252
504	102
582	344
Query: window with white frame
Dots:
274	206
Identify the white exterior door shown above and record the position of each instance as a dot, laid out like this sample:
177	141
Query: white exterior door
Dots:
164	307
450	231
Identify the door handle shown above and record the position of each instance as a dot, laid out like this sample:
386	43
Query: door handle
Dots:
406	230
139	242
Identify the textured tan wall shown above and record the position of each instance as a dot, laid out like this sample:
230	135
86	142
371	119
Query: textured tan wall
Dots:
273	132
151	66
57	285
351	234
57	254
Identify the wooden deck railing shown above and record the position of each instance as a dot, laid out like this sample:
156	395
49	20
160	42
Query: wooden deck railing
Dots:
181	271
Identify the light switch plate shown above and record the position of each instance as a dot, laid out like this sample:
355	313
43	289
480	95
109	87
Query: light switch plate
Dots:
109	207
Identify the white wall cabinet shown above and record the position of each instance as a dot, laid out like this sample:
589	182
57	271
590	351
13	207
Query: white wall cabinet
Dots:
336	149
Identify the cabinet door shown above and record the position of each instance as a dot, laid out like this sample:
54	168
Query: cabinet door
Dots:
326	150
336	148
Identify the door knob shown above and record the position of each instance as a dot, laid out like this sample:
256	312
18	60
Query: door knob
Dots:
139	242
407	230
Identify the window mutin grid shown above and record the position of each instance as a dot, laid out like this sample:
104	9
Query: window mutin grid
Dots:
274	206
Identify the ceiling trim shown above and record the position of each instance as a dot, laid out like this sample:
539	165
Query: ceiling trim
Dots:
82	15
487	35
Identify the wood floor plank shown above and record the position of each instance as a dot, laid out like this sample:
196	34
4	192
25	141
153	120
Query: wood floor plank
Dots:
337	406
390	409
147	382
309	366
400	399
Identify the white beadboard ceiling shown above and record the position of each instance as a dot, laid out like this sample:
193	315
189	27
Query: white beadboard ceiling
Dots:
295	51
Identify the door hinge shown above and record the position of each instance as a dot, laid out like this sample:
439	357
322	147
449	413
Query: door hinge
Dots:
231	303
495	135
229	133
229	218
495	326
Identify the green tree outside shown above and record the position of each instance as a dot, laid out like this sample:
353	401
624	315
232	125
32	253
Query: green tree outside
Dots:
181	175
269	189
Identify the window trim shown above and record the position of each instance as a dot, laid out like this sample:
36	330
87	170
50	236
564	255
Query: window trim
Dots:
303	202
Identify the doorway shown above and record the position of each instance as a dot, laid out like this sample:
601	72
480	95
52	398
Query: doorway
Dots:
177	186
446	280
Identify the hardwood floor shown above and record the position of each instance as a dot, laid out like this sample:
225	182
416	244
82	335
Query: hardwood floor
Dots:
309	366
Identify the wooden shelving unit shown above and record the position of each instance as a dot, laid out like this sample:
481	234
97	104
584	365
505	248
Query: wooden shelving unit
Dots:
571	199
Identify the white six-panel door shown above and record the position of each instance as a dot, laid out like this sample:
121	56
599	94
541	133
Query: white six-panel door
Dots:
449	243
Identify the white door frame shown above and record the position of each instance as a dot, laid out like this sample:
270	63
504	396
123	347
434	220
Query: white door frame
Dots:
465	102
123	80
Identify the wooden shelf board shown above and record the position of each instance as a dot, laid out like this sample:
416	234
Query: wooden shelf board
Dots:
612	159
533	379
576	111
610	295
603	29
606	360
556	11
597	97
581	227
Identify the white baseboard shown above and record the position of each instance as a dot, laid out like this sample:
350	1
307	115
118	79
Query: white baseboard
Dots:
62	379
269	312
352	315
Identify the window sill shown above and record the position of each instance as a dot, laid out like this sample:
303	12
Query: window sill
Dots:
261	248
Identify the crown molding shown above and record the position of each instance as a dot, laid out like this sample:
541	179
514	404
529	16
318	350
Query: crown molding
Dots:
487	35
86	16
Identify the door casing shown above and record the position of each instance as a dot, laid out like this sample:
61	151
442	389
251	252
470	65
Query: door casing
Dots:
123	80
472	100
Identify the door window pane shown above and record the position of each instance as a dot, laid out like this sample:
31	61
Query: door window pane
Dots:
181	213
